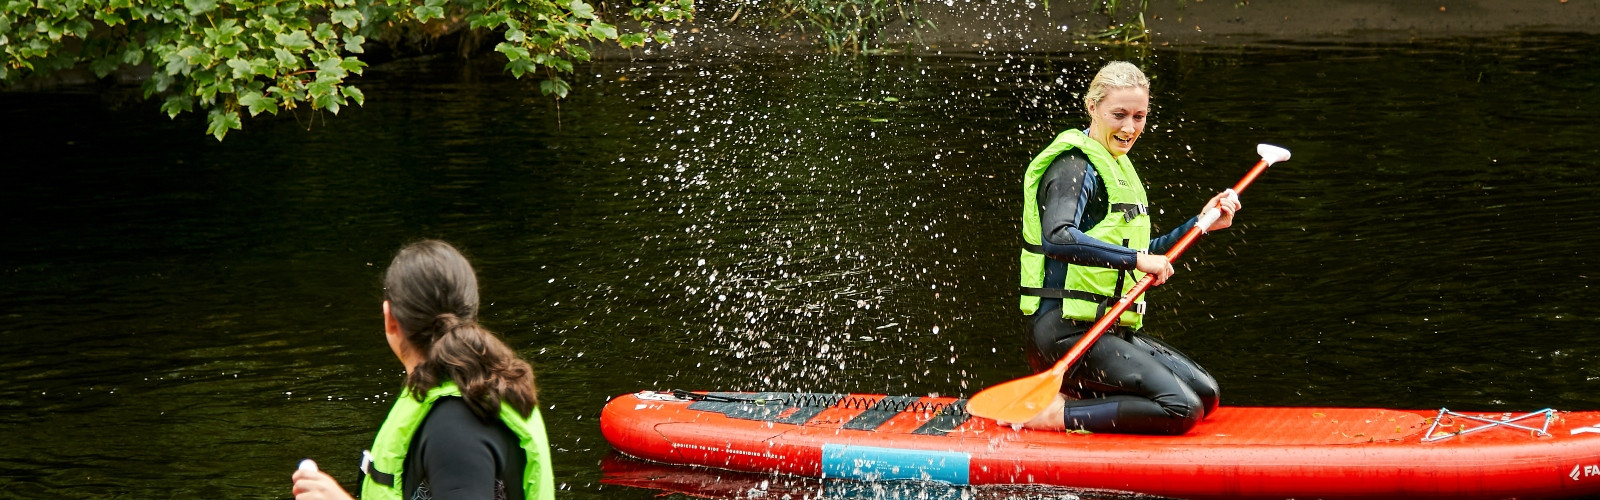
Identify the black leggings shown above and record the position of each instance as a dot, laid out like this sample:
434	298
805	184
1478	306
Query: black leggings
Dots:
1126	383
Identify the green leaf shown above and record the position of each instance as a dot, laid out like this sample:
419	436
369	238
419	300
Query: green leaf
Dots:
490	20
581	10
295	40
271	25
603	31
221	121
258	103
260	66
103	66
350	18
430	10
512	51
230	50
133	56
352	65
241	69
324	34
424	13
515	35
197	7
522	66
196	57
331	70
329	101
354	94
111	17
286	60
559	64
177	103
320	88
159	82
578	52
223	34
555	86
631	40
352	43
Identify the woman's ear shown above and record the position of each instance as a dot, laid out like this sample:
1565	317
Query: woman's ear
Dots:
390	325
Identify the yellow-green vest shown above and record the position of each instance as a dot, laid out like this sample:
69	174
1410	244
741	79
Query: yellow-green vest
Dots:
394	439
1127	220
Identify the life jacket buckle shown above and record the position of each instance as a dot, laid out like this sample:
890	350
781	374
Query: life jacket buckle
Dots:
377	476
1130	210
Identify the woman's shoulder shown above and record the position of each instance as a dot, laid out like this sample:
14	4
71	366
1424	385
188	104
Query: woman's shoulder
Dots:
452	428
453	412
1072	164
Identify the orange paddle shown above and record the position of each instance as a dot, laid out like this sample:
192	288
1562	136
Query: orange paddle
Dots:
1022	399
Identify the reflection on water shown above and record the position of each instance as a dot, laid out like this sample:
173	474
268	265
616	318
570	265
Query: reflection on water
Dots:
187	318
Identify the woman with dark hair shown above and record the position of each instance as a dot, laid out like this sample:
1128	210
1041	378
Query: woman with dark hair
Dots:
467	423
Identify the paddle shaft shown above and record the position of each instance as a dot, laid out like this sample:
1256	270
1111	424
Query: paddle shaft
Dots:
1122	304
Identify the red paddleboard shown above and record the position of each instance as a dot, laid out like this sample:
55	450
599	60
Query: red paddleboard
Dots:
1237	452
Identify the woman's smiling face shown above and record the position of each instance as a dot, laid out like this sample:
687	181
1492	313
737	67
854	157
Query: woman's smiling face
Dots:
1118	119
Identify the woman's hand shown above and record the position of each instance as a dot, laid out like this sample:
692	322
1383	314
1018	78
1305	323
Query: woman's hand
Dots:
313	484
1227	202
1155	265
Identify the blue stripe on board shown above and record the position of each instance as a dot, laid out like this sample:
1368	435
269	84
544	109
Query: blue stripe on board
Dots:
871	463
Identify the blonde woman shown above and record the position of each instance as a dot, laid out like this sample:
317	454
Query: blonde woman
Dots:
1087	240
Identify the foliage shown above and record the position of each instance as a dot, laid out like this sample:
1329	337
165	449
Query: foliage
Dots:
846	25
1130	32
231	56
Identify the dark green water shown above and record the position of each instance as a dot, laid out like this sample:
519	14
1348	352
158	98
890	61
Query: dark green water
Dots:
187	319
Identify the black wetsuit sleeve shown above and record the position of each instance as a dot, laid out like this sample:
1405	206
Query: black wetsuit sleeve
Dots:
1072	199
456	455
1165	242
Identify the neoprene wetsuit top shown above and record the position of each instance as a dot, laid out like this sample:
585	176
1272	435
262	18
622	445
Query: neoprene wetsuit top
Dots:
457	455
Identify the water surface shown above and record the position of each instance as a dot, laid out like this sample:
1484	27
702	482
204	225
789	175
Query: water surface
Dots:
187	318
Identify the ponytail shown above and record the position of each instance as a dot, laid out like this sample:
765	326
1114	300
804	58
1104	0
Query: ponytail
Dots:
433	294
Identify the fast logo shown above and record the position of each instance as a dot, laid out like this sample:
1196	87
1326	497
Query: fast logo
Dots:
1581	471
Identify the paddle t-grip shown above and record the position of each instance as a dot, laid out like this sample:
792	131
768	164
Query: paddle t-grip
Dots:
1269	155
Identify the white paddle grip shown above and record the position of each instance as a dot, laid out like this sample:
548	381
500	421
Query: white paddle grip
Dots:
1206	219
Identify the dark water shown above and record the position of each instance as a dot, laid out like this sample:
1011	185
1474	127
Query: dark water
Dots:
187	319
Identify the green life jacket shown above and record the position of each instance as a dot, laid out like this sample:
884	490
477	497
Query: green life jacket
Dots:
1088	290
384	477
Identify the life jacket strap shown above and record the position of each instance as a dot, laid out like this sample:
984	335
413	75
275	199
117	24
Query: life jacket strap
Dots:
377	476
1062	293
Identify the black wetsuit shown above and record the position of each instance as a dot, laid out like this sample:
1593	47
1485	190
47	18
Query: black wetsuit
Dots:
455	454
1127	382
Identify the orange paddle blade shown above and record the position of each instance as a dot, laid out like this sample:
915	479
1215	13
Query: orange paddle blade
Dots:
1017	401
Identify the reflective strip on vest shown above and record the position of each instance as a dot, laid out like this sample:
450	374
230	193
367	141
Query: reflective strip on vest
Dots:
1123	188
394	439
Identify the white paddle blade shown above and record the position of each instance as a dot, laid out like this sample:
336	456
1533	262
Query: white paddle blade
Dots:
1272	154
